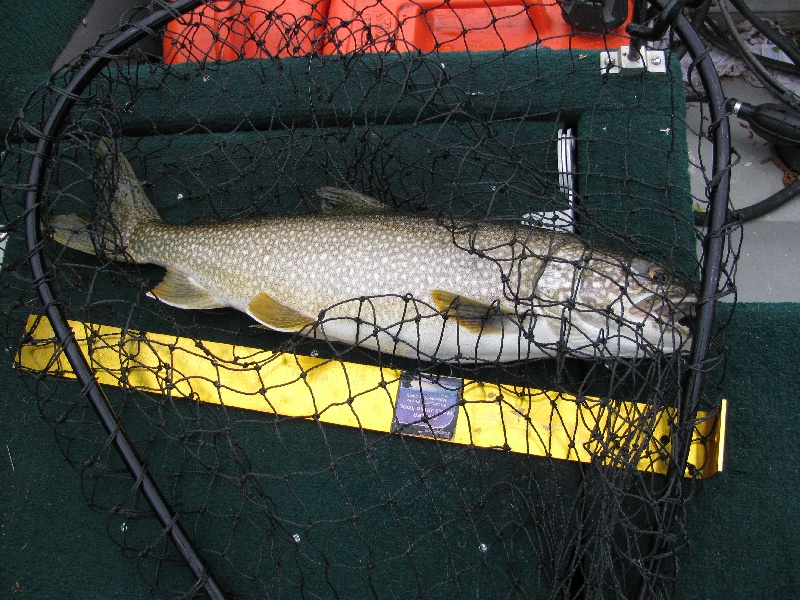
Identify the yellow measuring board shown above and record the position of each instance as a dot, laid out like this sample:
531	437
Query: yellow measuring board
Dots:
523	420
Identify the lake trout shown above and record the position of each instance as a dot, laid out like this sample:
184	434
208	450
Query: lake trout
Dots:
418	286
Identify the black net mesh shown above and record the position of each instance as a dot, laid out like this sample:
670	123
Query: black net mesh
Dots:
310	467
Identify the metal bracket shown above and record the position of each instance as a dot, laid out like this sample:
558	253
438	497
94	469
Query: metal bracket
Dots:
624	61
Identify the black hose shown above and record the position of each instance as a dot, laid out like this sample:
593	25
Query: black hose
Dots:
669	11
713	35
42	274
701	14
759	209
777	88
772	34
780	126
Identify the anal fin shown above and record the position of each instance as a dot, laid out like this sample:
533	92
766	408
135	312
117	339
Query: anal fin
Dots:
273	314
473	315
177	289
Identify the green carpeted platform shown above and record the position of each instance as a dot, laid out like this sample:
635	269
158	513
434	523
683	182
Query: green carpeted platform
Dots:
743	528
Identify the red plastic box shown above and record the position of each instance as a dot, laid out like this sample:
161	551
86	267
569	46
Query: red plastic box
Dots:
227	30
255	29
282	27
455	25
205	34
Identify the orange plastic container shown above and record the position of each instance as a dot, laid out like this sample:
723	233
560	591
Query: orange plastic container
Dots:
282	27
205	34
255	29
456	25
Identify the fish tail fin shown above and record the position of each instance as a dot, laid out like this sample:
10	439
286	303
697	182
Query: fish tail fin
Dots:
73	231
121	205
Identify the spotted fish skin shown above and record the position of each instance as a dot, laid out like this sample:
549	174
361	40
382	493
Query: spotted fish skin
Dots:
411	285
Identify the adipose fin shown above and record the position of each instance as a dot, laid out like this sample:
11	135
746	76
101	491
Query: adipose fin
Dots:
339	200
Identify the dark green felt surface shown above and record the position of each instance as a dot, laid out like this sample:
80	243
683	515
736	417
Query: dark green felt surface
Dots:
34	33
51	544
742	526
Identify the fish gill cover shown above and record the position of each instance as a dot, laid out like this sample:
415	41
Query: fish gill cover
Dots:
286	425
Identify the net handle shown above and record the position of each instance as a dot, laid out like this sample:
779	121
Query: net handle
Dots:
54	311
713	250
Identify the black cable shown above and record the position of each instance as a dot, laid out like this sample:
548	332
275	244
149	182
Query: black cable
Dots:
41	275
712	34
780	126
757	62
774	123
665	18
700	14
759	209
784	94
772	34
766	206
699	11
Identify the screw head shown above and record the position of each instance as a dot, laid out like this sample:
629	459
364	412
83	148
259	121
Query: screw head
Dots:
655	60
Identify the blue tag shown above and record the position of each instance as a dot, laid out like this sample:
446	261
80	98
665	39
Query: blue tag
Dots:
427	406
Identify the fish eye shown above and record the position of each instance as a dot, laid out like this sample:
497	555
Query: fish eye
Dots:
658	275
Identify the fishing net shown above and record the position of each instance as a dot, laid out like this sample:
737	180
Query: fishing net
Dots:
242	461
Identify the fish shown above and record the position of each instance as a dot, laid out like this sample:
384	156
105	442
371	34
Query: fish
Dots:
420	285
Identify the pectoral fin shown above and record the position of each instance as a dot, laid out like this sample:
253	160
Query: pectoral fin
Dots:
176	289
275	315
473	315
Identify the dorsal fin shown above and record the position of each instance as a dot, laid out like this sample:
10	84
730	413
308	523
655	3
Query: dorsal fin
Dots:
339	200
273	314
473	315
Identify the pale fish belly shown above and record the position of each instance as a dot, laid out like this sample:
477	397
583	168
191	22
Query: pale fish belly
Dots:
403	327
395	326
424	335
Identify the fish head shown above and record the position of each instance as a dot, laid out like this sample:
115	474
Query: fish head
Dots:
634	299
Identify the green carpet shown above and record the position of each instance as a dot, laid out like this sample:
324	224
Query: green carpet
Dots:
51	544
742	524
744	529
34	33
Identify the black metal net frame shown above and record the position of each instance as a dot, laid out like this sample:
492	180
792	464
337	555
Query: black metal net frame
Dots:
714	247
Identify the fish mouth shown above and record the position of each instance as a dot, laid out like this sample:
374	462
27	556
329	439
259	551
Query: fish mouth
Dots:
677	312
